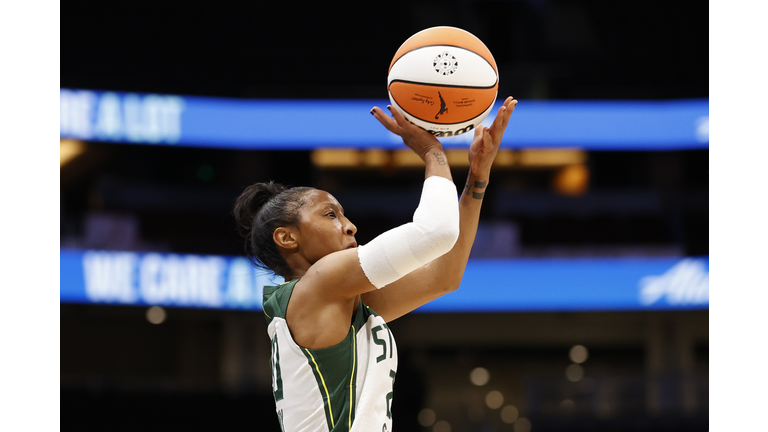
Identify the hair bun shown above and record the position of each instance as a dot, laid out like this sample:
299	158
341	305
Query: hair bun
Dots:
249	203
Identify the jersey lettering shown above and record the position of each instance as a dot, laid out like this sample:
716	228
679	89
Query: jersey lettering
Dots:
382	342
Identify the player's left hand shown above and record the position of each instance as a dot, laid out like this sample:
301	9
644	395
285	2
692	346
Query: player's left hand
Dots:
485	144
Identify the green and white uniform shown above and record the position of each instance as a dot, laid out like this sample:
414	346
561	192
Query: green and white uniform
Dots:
346	387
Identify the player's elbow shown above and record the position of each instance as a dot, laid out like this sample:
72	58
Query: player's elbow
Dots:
448	287
443	278
454	281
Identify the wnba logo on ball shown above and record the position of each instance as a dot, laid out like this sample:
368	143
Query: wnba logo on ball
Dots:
445	63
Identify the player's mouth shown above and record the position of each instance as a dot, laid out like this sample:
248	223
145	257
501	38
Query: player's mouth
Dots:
352	246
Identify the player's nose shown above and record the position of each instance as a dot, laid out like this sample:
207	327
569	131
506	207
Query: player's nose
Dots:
350	228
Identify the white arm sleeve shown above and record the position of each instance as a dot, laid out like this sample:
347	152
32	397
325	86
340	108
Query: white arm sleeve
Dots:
433	232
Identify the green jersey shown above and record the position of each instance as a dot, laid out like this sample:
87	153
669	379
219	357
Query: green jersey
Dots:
346	387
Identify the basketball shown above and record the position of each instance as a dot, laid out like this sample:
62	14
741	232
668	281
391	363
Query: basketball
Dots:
443	79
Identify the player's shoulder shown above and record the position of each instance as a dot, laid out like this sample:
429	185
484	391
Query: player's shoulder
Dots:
275	301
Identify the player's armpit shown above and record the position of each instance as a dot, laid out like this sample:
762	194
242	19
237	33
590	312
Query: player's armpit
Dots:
413	290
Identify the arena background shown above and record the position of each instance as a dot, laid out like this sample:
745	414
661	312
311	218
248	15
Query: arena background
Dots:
208	368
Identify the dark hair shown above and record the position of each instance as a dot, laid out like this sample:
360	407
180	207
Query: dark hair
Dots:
259	210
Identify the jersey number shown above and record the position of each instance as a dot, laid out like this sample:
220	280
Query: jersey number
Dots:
390	394
274	362
383	356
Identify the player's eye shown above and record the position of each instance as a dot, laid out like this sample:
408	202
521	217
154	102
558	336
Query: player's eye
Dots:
331	214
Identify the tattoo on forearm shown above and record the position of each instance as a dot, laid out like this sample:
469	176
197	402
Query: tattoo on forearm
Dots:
478	185
440	158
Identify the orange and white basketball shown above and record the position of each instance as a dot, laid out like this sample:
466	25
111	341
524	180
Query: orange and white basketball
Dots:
443	79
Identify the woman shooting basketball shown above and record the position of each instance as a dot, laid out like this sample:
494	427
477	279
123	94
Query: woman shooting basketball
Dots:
334	360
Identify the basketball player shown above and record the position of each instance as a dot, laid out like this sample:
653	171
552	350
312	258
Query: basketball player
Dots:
334	359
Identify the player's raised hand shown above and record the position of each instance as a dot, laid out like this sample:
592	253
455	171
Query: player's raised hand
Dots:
415	137
486	142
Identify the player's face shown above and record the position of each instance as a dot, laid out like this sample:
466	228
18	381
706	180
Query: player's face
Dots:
324	229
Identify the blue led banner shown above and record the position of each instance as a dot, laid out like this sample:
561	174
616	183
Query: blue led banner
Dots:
208	281
306	124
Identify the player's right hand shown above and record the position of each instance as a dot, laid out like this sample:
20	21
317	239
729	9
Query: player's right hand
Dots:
415	137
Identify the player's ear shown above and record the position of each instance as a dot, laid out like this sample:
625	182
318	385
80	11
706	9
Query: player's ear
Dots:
286	237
